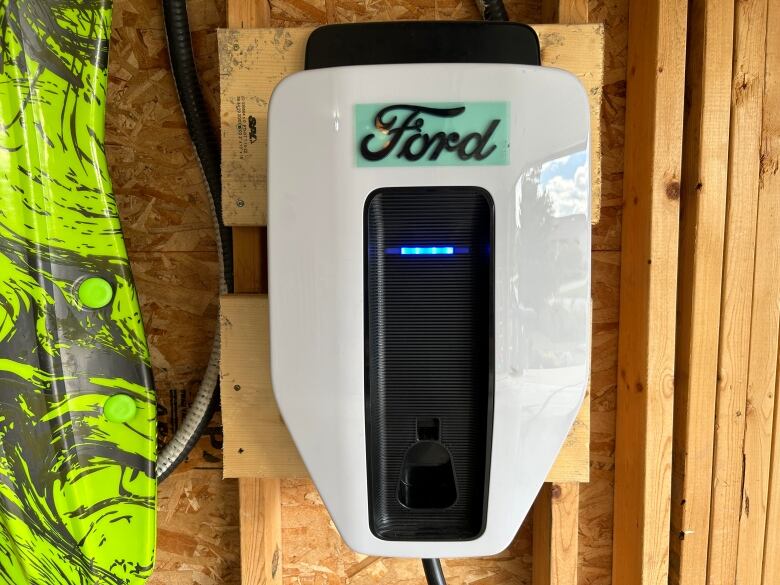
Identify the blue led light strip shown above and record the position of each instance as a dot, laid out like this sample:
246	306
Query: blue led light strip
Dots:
418	251
427	250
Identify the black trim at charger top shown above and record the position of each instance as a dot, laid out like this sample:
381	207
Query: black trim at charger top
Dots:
383	43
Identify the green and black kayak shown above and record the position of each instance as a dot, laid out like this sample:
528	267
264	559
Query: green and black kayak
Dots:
77	406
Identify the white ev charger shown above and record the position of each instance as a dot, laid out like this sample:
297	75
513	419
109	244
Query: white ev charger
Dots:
429	281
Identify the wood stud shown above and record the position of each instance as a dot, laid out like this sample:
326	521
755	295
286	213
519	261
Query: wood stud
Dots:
643	458
770	188
702	225
259	499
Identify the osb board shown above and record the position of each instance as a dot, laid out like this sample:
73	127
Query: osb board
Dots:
289	13
198	530
254	61
595	542
257	443
614	16
314	553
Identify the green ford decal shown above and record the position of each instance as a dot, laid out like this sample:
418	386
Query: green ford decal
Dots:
77	485
428	134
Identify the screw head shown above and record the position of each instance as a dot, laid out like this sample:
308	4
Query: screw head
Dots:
240	203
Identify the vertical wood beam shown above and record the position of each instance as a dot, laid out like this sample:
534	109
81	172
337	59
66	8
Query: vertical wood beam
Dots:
249	259
770	184
731	467
702	226
260	509
648	284
565	11
259	499
248	13
555	535
765	325
261	527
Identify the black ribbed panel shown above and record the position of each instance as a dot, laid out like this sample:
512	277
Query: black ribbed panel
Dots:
429	355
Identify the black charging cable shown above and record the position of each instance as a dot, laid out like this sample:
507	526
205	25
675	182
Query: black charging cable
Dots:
206	144
433	572
492	10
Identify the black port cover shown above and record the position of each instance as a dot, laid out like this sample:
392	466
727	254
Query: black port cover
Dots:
429	360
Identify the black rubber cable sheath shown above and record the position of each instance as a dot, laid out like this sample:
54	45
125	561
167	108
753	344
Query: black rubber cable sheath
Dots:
206	145
493	10
433	572
204	138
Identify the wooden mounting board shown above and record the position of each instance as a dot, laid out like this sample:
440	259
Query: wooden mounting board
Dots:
254	61
258	444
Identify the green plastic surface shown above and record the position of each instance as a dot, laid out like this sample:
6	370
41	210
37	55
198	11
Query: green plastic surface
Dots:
416	134
77	491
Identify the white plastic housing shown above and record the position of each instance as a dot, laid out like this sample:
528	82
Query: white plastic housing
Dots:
542	319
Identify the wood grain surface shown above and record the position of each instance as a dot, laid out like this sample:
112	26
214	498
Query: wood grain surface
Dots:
654	131
702	232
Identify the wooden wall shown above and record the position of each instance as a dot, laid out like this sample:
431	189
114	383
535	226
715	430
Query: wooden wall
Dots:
168	230
726	497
